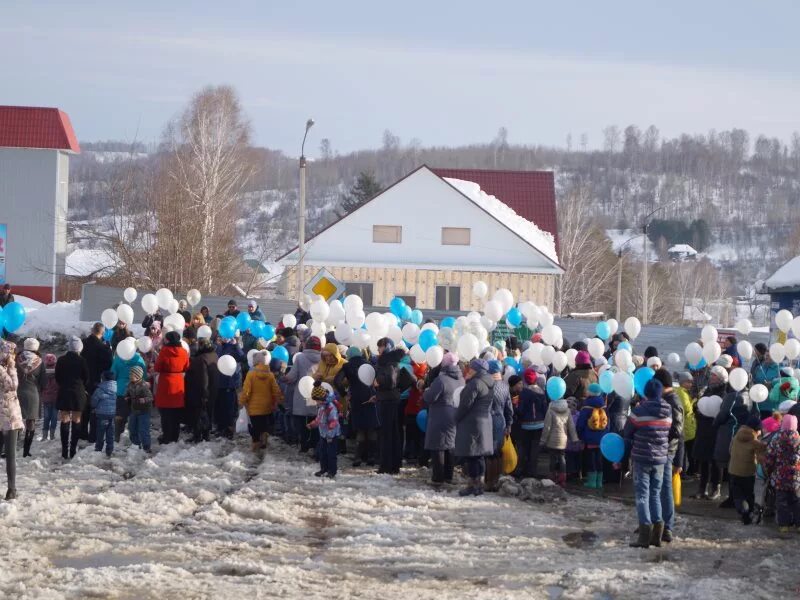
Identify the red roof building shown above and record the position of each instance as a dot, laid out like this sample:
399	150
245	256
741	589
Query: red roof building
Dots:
36	127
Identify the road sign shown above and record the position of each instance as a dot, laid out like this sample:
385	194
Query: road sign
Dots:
324	284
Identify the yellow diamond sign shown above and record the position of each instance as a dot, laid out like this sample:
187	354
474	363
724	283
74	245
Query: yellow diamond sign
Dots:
324	284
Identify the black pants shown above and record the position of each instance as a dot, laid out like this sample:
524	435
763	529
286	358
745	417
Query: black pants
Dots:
593	460
414	438
742	493
366	445
226	411
710	472
327	451
529	452
390	439
689	463
170	424
442	465
10	449
558	462
307	438
787	508
474	466
259	425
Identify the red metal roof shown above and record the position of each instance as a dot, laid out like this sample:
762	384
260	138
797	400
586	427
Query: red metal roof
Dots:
531	194
36	127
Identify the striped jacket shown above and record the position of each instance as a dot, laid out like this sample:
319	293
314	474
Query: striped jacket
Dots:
647	432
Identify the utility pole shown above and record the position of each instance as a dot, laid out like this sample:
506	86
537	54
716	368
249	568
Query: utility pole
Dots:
301	221
644	276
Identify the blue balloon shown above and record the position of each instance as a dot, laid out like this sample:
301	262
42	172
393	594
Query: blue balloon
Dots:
607	381
427	339
416	316
612	446
699	365
406	316
625	346
227	328
448	322
243	321
267	331
602	330
640	379
281	353
422	420
514	317
14	316
511	362
256	328
556	388
396	306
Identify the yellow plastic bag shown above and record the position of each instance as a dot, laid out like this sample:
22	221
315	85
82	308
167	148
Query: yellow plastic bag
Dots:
509	454
676	489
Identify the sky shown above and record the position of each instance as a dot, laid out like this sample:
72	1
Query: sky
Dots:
441	72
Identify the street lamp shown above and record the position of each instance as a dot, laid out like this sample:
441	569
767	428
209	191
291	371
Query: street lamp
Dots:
619	276
301	234
644	259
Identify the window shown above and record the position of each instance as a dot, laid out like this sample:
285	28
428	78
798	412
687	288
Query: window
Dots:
456	236
411	301
364	290
387	234
448	297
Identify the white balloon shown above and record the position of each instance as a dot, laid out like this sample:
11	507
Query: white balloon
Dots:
493	310
709	405
432	326
126	348
534	353
129	294
468	346
548	354
320	310
709	334
204	332
560	361
411	333
343	333
174	306
783	319
164	298
305	386
433	356
125	314
336	312
353	303
545	317
596	347
480	289
366	374
613	325
738	379
622	383
417	354
289	320
361	339
759	393
175	321
531	313
447	339
777	352
505	298
391	321
633	327
144	344
185	346
745	349
193	297
473	317
149	304
305	302
792	347
744	326
109	318
673	359
376	325
395	334
356	319
693	353
551	334
711	352
571	354
488	324
319	330
457	396
623	359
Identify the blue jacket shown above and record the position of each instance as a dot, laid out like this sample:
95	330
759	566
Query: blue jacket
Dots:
235	380
104	399
532	408
327	420
257	315
647	431
763	372
590	437
122	371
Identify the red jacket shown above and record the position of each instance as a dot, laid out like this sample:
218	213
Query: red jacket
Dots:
414	403
171	364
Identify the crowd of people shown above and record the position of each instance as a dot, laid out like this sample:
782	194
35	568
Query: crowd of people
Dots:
474	411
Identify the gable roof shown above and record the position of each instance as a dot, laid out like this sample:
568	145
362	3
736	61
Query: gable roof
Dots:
36	127
785	279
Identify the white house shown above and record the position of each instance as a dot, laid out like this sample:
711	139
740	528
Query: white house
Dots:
35	144
435	232
681	252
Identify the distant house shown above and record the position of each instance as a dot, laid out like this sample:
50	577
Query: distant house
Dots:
433	234
694	315
35	145
681	252
783	288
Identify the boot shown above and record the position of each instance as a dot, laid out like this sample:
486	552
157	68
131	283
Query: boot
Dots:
255	446
643	541
26	445
591	479
52	434
371	453
64	440
11	494
73	441
361	451
716	492
470	489
478	488
492	477
561	480
657	532
264	440
702	494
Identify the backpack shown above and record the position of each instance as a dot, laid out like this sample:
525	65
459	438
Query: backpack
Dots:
598	420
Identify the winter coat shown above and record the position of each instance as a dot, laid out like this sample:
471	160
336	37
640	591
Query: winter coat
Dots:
139	397
590	437
363	414
532	407
10	413
72	376
782	461
765	372
227	382
49	393
201	380
735	410
414	402
171	364
150	319
119	335
104	399
744	449
257	315
473	418
578	382
327	420
32	379
676	429
441	403
689	419
647	432
305	363
777	395
502	412
618	409
558	426
705	439
392	379
98	356
734	354
122	371
260	394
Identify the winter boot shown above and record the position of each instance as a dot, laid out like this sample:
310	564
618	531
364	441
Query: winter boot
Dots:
479	487
26	445
264	440
727	503
657	532
255	446
667	536
702	494
11	495
591	480
75	429
470	489
716	493
64	440
643	541
52	434
360	452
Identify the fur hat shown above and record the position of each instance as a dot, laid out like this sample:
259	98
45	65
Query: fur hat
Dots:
720	372
75	344
725	361
259	358
31	344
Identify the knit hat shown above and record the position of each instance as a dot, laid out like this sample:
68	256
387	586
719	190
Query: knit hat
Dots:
529	376
514	380
720	372
49	361
252	304
136	373
31	344
478	365
789	423
726	361
75	344
319	393
449	359
638	361
654	363
650	352
231	302
313	343
685	376
495	367
353	352
108	376
754	423
595	389
583	359
664	378
653	389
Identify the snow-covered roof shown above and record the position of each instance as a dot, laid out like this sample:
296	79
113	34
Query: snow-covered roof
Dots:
696	315
682	249
536	237
788	276
88	262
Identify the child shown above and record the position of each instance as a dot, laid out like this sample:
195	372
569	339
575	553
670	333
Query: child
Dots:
48	396
684	393
558	429
742	468
591	427
782	462
260	396
327	422
140	400
772	423
104	405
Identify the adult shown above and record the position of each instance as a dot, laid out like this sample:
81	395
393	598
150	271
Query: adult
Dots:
502	413
440	435
764	370
122	374
254	311
363	413
474	424
171	364
785	387
198	320
183	310
729	348
391	381
225	410
304	410
155	317
98	356
201	390
530	413
675	451
705	439
6	297
119	333
580	378
72	377
32	379
233	310
11	422
206	314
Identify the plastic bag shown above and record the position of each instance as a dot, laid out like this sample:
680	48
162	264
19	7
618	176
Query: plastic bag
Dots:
509	454
243	421
676	489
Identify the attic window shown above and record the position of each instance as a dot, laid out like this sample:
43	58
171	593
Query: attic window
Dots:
456	236
387	234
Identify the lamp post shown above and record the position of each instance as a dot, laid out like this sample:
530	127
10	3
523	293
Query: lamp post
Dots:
619	276
301	221
645	308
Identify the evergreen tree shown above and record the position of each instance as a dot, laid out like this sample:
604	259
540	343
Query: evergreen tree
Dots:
366	187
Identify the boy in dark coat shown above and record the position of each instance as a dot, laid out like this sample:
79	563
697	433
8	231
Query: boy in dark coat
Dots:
104	405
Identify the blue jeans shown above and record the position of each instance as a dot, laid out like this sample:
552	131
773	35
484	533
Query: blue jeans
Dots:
667	500
105	432
327	451
50	414
647	481
139	429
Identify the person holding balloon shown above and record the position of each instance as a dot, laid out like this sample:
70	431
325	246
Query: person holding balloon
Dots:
530	413
124	359
441	400
391	381
225	411
581	377
705	439
591	427
356	385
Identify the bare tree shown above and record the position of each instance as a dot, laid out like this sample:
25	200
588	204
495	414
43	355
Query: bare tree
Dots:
611	139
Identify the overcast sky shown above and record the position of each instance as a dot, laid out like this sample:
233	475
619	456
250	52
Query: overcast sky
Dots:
444	72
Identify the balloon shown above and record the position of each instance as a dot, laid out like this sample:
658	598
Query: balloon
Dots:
149	304
606	381
738	379
427	339
361	339
336	312
320	310
366	374
560	361
612	446
289	321
193	297
623	359
488	324
353	303
744	326
633	327
551	334
556	388
177	322
433	356
422	420
356	319
129	294
318	329
305	386
447	339
531	313
411	332
243	321
125	314
709	405
305	302
571	354
709	334
759	393
786	406
267	331
545	317
343	333
417	354
783	319
468	346
429	326
693	353
407	312
144	344
256	327
625	346
204	332
514	317
711	352
174	306
227	328
596	347
673	359
792	347
493	310
376	325
511	362
107	335
108	318
280	353
185	346
447	322
250	354
164	298
777	352
126	349
613	326
602	330
396	305
480	289
623	384
548	354
505	298
640	379
534	353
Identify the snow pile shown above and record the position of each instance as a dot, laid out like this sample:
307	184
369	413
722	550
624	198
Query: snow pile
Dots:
88	262
683	249
541	240
45	320
787	276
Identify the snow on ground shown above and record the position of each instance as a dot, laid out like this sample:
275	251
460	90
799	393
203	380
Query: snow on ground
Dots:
207	520
42	321
635	246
